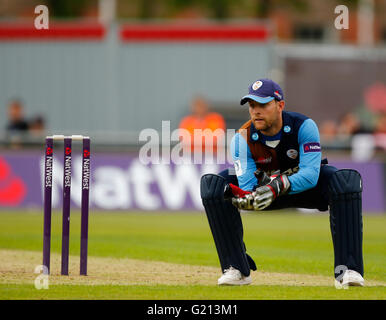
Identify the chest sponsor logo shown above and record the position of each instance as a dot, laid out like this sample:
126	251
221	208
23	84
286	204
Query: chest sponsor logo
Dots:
292	153
287	172
262	160
311	147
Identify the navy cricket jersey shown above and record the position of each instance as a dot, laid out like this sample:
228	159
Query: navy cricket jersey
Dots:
295	150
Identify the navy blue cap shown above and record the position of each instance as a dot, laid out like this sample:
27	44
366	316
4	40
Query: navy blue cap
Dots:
263	91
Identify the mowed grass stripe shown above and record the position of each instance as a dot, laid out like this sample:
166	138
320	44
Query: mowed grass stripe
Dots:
284	242
195	292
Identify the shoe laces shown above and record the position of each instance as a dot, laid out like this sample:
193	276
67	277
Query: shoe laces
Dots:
231	270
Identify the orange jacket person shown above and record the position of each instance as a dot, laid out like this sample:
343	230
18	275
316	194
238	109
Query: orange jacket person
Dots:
202	118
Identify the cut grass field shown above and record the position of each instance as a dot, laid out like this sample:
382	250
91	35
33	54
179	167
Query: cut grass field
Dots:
172	256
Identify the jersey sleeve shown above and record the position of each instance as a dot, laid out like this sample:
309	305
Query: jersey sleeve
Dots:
310	156
244	164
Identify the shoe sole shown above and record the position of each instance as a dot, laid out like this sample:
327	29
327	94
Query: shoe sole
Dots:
356	284
236	283
339	285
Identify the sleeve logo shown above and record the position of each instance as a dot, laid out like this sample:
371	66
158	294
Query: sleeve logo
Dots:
311	147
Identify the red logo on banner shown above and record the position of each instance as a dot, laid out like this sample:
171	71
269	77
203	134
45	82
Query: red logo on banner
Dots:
49	151
86	153
68	151
12	188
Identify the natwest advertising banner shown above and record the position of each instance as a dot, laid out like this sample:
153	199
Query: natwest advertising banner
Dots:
123	182
118	182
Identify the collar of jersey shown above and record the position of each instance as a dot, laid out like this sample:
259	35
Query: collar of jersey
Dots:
263	138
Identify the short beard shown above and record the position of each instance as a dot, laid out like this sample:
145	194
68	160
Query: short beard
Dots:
267	126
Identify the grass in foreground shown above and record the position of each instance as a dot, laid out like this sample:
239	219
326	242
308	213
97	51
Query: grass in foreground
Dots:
279	242
117	292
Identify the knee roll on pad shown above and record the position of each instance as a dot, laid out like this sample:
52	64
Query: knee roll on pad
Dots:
226	226
345	192
212	186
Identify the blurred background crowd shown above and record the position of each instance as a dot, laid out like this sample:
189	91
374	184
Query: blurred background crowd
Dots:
133	69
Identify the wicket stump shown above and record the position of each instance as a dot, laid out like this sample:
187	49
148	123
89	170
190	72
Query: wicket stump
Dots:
85	186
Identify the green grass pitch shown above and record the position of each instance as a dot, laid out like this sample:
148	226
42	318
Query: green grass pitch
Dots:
141	255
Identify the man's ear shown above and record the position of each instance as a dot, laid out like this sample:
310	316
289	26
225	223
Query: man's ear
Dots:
281	105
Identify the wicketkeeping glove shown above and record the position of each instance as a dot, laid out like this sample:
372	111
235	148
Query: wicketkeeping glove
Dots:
232	191
264	195
240	198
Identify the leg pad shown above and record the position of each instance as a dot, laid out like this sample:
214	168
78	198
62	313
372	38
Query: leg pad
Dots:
226	225
345	200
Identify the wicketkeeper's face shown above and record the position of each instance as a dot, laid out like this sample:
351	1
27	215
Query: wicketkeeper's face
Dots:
267	115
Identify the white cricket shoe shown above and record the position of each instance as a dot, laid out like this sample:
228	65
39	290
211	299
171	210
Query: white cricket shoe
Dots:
350	278
233	277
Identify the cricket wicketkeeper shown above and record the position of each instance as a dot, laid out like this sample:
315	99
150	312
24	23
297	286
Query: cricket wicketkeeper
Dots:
278	164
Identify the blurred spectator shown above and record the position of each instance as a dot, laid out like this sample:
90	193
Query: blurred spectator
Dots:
17	127
202	118
348	125
16	122
339	135
380	131
375	97
328	130
381	124
37	126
